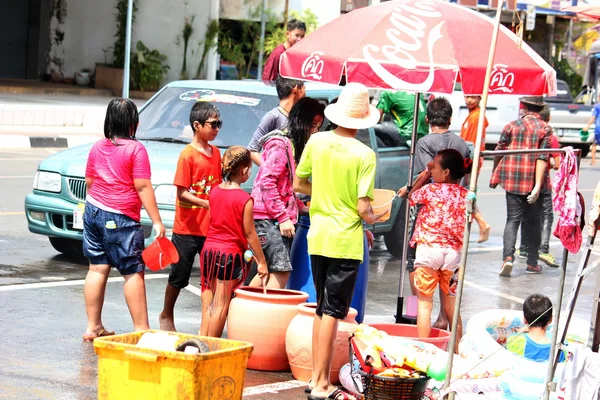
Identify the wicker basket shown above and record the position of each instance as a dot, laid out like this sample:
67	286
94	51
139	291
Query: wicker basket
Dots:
387	388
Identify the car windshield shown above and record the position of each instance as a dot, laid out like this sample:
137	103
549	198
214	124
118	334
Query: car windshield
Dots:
167	117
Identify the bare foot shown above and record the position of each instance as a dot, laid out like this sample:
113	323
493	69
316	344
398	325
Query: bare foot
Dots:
484	234
166	324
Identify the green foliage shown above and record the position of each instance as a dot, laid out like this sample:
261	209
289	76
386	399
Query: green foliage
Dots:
242	47
567	74
209	42
186	33
148	68
277	36
121	17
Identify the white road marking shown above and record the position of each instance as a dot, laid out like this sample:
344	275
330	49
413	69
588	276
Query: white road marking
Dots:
193	289
23	286
273	387
494	292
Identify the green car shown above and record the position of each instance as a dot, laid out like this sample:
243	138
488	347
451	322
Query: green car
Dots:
54	208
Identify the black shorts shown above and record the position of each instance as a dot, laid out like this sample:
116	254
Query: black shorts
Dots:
334	280
187	246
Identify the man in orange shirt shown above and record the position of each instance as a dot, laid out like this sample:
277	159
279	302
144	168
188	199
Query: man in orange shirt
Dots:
469	133
198	171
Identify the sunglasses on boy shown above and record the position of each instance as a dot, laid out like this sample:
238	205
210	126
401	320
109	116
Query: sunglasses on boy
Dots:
215	124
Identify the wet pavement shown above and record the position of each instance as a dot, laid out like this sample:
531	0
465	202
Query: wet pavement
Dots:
42	314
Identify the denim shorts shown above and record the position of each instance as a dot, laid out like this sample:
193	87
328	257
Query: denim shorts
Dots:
113	239
275	246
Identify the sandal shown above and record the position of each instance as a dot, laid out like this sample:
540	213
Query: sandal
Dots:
307	389
337	394
89	337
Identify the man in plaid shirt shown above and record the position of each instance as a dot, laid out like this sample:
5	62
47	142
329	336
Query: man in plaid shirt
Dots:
523	177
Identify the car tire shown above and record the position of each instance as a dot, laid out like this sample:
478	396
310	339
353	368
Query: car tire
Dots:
394	239
68	247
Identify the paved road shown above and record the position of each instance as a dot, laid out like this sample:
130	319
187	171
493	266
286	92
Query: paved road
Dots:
41	353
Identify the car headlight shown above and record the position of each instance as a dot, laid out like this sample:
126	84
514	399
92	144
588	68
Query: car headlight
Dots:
166	194
47	181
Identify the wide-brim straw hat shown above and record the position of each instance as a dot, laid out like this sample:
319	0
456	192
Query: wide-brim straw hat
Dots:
533	100
353	109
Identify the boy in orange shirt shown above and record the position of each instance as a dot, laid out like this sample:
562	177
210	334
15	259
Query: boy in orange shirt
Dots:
469	133
198	170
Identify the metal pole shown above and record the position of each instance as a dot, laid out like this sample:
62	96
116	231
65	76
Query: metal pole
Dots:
261	47
549	387
127	49
471	199
413	141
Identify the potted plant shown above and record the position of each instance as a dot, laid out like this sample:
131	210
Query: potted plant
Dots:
148	69
84	77
110	76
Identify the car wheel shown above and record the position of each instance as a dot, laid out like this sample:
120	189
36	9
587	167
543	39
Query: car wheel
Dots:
394	239
68	247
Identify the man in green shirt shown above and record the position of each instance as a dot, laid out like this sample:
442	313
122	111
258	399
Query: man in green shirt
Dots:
338	172
401	105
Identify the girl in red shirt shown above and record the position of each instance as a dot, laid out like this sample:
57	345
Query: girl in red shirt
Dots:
230	233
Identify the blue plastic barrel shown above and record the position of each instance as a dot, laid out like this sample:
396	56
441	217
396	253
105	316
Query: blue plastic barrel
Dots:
301	277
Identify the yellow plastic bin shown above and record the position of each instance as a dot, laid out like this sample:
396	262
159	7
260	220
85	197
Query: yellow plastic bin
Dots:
126	371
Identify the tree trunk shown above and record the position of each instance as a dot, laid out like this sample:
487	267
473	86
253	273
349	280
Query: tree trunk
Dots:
285	13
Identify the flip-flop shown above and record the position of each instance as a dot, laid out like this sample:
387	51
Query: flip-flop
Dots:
89	337
337	394
307	389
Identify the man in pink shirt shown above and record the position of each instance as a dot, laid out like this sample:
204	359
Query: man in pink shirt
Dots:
295	32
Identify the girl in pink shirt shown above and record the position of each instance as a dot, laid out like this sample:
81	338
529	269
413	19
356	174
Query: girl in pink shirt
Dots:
118	180
439	232
276	206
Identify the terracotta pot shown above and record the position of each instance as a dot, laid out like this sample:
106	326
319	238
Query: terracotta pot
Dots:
298	343
263	320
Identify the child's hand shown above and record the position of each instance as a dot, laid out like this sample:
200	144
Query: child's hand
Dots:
159	228
402	192
263	271
370	238
429	168
287	229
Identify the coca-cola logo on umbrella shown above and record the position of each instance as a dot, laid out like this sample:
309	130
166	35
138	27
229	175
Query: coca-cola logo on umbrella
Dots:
312	67
408	27
502	79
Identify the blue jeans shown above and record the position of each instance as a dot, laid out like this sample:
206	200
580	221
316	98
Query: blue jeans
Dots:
113	239
519	210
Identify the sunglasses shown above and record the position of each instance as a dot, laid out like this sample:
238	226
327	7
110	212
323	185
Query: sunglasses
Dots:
215	124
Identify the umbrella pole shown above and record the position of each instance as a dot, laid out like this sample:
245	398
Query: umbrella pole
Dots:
471	200
411	166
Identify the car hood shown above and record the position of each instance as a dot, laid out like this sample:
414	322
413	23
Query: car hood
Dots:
72	162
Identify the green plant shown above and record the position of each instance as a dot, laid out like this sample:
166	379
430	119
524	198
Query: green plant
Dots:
567	74
121	17
209	42
239	41
186	33
148	68
277	36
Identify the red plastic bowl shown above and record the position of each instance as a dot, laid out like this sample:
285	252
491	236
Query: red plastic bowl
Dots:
437	337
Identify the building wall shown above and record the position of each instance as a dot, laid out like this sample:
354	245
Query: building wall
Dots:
326	10
90	27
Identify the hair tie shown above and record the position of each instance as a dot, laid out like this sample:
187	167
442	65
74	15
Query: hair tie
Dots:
467	163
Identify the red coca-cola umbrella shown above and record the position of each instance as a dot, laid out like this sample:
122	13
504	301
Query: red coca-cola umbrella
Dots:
587	11
419	46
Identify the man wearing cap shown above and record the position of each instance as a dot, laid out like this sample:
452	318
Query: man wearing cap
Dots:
523	177
338	171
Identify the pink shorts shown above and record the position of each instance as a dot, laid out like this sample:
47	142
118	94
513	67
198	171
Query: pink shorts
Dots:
437	258
435	266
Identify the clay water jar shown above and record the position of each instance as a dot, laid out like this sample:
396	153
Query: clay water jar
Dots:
298	343
263	321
